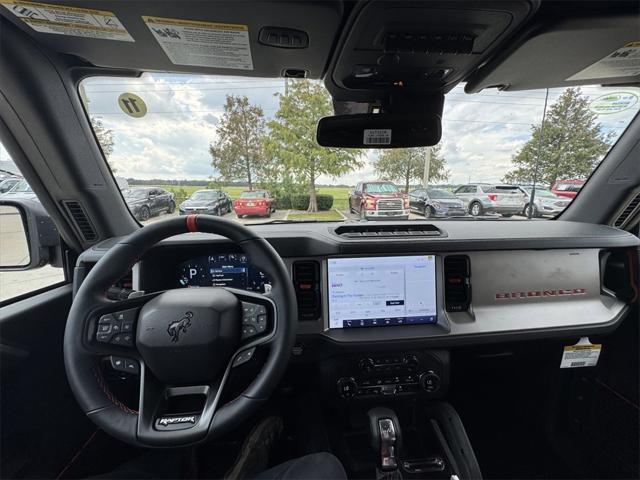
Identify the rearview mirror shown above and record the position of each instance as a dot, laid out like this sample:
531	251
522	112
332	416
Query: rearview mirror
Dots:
380	130
28	236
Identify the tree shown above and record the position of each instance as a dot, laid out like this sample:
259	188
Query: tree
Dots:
407	164
292	138
572	145
105	139
238	152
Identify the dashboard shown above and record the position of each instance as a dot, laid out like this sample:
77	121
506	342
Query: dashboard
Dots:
222	270
415	285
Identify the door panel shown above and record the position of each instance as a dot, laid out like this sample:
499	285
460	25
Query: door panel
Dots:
42	424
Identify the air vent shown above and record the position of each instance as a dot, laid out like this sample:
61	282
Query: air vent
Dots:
81	221
306	281
628	212
457	283
384	231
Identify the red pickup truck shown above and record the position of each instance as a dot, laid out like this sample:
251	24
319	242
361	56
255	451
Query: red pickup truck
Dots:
379	201
254	202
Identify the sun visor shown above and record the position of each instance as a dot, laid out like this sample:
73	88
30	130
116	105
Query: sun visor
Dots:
253	38
586	51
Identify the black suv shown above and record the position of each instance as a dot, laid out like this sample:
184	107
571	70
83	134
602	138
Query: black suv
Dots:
147	201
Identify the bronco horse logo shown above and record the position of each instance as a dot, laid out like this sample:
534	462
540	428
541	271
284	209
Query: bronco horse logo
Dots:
181	325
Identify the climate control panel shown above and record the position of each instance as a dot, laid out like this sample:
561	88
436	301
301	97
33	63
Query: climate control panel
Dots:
408	373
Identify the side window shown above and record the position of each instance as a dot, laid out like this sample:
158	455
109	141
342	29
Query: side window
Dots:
14	244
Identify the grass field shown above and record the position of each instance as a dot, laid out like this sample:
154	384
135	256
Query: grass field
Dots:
340	194
328	216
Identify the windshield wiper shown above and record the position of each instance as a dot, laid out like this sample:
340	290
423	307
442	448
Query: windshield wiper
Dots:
278	221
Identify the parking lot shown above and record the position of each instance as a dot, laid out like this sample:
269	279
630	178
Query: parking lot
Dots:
13	250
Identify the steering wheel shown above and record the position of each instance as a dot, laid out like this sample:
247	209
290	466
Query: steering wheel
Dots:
183	343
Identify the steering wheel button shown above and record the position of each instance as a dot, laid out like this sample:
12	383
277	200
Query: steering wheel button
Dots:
244	357
262	318
261	327
118	363
248	320
127	326
127	339
116	327
106	319
248	330
104	328
131	366
103	337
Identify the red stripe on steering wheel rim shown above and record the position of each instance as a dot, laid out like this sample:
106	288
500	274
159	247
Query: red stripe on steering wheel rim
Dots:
192	225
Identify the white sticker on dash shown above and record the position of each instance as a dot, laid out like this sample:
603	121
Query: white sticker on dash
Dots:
377	136
582	354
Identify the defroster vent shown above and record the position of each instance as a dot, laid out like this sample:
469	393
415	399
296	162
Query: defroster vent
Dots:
81	221
306	280
457	283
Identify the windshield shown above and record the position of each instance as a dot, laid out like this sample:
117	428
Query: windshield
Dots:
569	187
380	188
205	195
129	193
241	134
21	187
437	193
253	195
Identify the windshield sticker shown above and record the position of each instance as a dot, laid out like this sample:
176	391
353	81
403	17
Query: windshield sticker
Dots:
202	44
377	136
615	102
132	105
73	21
624	62
582	354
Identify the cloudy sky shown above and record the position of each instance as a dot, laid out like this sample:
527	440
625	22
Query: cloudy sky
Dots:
481	132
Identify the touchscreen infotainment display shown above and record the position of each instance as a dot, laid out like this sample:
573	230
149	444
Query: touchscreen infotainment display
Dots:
381	291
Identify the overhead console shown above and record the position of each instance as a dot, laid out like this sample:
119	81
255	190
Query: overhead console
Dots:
392	47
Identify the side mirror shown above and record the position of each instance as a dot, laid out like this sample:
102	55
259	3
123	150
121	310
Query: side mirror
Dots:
28	236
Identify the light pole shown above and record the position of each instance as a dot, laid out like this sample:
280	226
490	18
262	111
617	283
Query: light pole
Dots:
427	165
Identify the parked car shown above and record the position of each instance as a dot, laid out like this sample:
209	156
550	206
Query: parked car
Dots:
146	201
7	184
567	188
211	202
435	202
379	200
545	203
482	198
254	202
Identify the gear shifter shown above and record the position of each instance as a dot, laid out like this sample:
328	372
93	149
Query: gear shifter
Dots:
388	459
385	437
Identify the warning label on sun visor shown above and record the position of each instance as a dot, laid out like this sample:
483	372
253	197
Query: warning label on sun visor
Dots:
64	20
624	62
202	44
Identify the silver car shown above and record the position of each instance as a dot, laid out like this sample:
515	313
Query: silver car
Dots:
483	198
545	203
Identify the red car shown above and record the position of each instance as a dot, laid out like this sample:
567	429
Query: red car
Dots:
567	188
254	202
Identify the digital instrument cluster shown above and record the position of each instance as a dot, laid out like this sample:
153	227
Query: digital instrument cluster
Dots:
222	270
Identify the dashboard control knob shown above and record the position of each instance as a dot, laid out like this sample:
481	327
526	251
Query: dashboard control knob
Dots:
410	361
430	382
366	365
347	387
